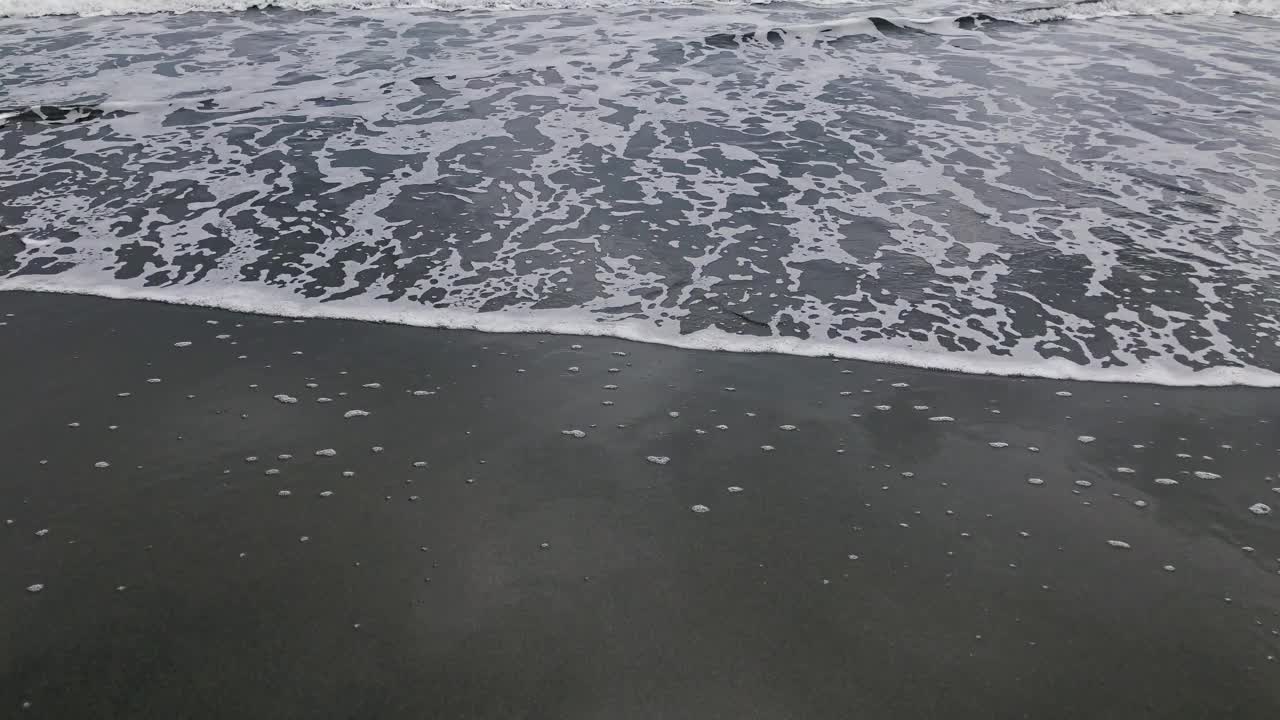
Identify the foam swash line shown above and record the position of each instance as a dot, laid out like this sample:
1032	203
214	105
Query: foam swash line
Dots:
260	301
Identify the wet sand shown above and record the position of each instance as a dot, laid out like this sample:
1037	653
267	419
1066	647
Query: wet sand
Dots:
875	563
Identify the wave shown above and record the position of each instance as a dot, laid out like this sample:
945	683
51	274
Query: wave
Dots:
93	8
1094	9
279	303
1083	10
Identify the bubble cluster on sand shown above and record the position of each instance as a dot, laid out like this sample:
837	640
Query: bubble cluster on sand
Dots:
886	473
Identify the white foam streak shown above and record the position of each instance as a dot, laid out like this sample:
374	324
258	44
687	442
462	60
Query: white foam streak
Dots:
281	303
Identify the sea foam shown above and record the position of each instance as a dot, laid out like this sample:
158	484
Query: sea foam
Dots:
902	197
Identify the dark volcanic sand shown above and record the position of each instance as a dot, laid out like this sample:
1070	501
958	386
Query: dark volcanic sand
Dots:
176	584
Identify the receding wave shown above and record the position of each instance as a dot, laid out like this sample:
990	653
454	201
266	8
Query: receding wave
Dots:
1083	10
1095	202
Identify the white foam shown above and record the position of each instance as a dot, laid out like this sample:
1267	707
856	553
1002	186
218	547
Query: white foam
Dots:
89	8
976	312
1120	8
265	301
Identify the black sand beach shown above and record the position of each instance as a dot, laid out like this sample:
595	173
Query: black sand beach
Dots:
874	564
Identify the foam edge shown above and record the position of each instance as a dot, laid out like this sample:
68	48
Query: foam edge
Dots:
258	301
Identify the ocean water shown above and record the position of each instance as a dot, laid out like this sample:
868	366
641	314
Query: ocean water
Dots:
1087	191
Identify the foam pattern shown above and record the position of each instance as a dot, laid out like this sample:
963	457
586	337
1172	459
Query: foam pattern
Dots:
1091	200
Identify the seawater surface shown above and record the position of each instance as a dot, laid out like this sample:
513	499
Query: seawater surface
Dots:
1087	191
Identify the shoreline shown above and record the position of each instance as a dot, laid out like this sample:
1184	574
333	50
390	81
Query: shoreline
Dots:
272	304
874	562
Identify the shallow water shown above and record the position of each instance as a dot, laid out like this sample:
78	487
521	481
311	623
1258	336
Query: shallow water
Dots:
1095	197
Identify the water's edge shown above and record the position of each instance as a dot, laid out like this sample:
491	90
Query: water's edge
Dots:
569	323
